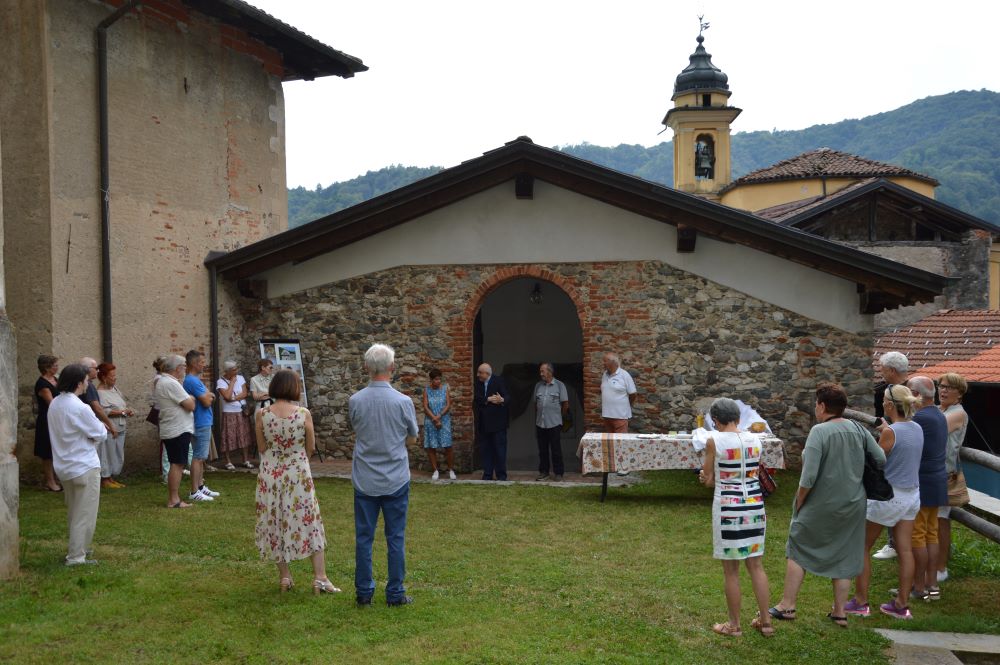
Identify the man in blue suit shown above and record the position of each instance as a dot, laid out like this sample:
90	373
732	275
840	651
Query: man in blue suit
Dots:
491	422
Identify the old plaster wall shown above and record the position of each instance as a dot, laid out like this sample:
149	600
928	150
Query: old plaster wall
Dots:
197	163
9	481
684	338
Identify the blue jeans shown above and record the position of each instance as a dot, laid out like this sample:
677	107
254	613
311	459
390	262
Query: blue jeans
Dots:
493	446
366	510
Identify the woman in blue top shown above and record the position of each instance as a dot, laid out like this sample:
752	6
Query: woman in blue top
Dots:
437	423
903	443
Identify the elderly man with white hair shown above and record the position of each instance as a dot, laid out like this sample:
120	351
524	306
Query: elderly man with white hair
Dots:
384	422
176	422
895	371
492	421
933	489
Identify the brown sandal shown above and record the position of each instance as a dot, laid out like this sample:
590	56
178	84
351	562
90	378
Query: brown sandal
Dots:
727	629
765	629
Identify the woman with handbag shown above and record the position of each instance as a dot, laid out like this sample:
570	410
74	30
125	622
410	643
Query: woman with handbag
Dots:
235	424
827	534
951	389
732	460
903	443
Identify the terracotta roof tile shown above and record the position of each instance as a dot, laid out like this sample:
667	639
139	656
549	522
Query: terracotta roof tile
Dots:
942	339
829	163
984	368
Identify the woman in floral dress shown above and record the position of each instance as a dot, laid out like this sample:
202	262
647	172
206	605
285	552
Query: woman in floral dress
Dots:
289	526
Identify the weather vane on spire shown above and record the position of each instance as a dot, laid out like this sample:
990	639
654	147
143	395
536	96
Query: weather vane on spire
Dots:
704	24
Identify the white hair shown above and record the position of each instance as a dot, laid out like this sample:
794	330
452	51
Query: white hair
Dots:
172	362
895	360
228	365
921	385
613	357
379	358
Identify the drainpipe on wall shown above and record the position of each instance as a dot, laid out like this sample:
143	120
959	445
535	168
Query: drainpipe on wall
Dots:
213	315
105	191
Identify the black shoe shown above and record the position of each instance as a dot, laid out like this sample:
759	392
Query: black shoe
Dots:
559	478
403	600
363	602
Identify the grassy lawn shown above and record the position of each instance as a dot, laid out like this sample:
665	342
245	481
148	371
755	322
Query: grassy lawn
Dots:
518	574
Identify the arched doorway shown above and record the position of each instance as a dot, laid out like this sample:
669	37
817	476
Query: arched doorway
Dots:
520	324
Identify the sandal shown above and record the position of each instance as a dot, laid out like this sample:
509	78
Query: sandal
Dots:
179	504
727	629
286	584
765	629
324	586
782	615
230	466
840	621
248	464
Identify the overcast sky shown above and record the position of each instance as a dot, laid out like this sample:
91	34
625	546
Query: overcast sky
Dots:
449	80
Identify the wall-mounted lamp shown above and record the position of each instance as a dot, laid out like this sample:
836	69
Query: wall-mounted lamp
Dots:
536	294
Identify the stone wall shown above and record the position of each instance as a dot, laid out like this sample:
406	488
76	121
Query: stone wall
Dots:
9	481
967	261
197	164
685	340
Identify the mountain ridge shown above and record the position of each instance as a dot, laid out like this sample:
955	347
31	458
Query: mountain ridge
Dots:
950	137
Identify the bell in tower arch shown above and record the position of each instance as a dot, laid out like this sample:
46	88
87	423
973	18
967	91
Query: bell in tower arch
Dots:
704	157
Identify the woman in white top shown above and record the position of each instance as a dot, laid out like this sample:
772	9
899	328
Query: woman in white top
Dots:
235	424
952	388
75	433
261	383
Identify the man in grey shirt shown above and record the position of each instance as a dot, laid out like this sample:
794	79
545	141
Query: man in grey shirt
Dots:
551	404
384	421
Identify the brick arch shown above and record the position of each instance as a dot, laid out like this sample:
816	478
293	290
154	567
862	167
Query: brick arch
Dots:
461	329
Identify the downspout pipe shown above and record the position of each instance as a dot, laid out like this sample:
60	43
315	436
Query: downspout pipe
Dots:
105	191
213	315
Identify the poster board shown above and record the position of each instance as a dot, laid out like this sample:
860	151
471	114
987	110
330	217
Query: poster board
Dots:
286	354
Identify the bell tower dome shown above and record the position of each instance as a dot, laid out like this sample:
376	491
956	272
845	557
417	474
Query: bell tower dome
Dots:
700	120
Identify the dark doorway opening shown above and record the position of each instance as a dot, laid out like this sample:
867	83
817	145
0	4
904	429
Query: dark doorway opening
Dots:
520	325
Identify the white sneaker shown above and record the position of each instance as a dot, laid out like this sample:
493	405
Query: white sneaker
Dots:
198	496
942	575
435	475
204	490
451	475
887	552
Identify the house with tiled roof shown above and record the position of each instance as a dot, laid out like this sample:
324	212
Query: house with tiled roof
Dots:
874	206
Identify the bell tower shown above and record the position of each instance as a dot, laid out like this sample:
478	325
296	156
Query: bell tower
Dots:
700	121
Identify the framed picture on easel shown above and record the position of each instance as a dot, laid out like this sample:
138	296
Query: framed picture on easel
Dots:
286	354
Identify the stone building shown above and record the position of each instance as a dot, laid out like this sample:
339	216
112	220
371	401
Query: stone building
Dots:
189	145
9	489
877	207
526	254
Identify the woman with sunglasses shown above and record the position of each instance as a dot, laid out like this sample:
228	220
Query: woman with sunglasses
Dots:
903	443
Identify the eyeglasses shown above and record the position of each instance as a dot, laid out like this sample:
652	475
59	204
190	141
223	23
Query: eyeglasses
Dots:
891	399
945	386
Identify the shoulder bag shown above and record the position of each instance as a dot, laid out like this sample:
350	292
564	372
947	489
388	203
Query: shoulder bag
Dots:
877	488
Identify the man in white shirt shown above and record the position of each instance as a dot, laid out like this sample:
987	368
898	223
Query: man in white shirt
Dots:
75	432
176	422
617	395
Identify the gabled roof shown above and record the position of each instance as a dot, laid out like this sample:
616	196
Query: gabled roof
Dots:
930	211
945	337
984	368
304	57
826	163
886	283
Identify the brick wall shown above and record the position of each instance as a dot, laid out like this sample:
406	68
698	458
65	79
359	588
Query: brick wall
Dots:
196	113
684	339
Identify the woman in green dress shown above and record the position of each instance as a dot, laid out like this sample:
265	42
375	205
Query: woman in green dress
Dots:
827	533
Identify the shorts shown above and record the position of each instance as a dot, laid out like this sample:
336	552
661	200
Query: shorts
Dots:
616	425
177	448
904	505
925	530
944	512
201	442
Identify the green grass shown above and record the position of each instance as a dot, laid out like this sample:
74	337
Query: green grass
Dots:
519	574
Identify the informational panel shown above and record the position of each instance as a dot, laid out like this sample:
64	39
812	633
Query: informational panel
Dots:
286	354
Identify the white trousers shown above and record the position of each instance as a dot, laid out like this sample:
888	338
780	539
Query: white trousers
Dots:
83	496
